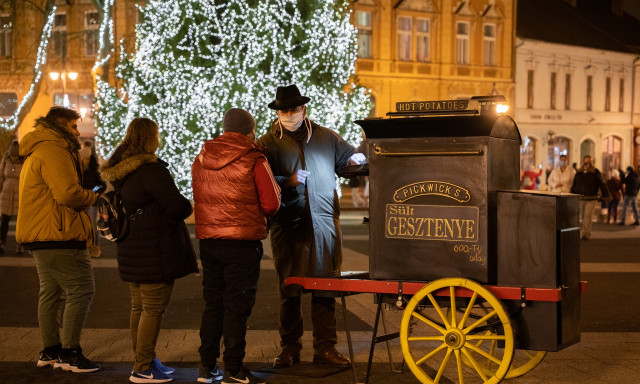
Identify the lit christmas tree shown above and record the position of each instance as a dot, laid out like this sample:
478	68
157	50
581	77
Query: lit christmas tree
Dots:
196	59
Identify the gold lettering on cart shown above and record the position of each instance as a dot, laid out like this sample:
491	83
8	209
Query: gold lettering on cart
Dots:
443	105
438	188
432	222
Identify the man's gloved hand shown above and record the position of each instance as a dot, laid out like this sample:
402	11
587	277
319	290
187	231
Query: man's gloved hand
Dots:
357	158
300	177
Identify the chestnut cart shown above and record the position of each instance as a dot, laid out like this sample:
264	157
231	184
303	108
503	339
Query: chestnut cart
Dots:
487	276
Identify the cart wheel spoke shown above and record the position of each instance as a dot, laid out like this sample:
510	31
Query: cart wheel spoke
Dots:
431	354
459	362
474	364
491	336
452	295
447	356
426	338
479	322
484	353
429	322
439	310
467	312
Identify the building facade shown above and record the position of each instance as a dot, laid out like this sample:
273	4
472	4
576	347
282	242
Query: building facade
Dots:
413	50
576	88
409	50
67	77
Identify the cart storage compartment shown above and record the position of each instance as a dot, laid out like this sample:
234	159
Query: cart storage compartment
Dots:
539	247
434	183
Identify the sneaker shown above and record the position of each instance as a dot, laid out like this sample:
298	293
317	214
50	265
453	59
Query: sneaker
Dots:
49	356
161	367
73	360
151	375
242	377
208	375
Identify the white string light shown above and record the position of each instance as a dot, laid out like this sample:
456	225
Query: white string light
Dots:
196	59
11	122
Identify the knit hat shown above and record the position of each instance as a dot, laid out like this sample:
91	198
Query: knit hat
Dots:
238	120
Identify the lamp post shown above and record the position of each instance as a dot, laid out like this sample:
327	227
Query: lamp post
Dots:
63	76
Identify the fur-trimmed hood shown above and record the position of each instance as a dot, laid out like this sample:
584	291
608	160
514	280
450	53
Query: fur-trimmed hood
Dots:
121	169
47	130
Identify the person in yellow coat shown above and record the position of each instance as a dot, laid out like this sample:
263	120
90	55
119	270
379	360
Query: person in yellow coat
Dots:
53	225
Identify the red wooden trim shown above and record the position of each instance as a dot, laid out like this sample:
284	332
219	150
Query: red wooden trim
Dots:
411	288
583	287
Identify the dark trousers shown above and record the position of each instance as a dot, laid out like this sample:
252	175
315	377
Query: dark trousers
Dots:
323	318
4	228
231	269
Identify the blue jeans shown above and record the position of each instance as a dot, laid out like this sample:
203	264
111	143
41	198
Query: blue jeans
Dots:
633	201
66	278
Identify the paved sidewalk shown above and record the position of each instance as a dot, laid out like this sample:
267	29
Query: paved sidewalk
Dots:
600	358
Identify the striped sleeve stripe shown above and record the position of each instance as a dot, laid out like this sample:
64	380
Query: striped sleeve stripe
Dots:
276	187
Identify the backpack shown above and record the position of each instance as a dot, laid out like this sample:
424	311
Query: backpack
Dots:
112	223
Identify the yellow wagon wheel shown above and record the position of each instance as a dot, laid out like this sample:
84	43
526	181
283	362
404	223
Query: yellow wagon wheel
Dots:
434	344
523	360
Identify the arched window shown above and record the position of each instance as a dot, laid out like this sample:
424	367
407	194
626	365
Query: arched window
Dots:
372	112
611	155
587	148
558	146
527	152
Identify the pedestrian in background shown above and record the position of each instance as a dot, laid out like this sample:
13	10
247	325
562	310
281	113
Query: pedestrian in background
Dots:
53	225
9	181
91	179
305	158
234	192
529	179
587	183
561	177
615	190
157	249
630	184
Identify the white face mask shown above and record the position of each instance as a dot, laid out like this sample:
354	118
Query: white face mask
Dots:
293	122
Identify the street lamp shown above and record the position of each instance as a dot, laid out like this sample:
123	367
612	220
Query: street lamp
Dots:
63	75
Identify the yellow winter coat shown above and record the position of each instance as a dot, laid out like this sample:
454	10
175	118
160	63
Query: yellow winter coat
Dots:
52	200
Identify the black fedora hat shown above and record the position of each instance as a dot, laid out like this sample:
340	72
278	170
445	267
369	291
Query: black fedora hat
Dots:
288	97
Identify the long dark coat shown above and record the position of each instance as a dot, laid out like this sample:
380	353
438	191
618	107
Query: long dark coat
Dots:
156	237
305	233
9	180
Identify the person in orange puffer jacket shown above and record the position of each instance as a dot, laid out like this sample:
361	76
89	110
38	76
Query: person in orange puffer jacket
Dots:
234	192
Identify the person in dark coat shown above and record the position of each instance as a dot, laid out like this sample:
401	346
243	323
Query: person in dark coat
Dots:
630	184
615	190
305	234
156	249
587	183
90	179
9	180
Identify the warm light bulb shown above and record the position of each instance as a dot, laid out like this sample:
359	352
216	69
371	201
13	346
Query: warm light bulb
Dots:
83	112
73	75
502	108
54	75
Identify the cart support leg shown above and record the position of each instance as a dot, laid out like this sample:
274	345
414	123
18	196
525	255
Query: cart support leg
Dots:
384	328
346	328
373	338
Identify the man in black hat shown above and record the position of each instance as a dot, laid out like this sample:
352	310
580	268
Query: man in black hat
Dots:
305	234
